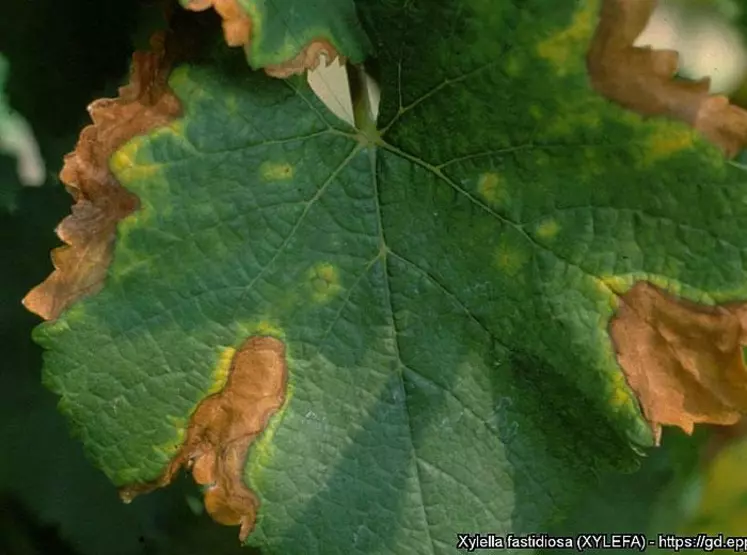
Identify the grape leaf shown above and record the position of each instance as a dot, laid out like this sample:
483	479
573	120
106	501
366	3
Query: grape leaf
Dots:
442	283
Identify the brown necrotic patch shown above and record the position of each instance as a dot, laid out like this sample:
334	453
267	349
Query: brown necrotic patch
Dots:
683	360
642	79
222	429
308	59
100	201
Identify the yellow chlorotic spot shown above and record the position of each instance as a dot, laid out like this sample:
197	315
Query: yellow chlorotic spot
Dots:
139	172
219	376
611	301
325	282
178	422
124	164
565	49
263	327
124	157
174	129
509	259
618	284
126	225
138	220
268	328
622	283
547	229
603	287
171	447
666	140
490	187
272	171
620	393
263	447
